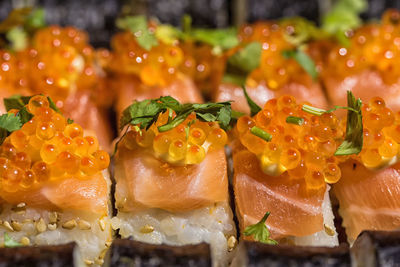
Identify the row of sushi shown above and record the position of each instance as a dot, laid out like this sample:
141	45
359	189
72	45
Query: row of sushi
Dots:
148	59
170	180
170	168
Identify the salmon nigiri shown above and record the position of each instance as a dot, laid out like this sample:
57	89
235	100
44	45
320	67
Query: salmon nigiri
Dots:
141	72
368	66
369	190
59	62
54	181
275	75
171	175
283	158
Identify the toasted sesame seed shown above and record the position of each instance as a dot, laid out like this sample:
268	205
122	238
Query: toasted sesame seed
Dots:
16	225
21	205
328	230
232	242
20	212
8	226
52	226
27	221
84	225
88	262
25	241
102	224
115	223
41	226
146	229
99	261
108	244
69	224
53	217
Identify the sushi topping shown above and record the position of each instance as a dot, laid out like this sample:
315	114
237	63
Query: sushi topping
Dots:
353	141
304	61
374	46
261	133
9	242
46	148
260	232
303	151
177	133
254	108
295	120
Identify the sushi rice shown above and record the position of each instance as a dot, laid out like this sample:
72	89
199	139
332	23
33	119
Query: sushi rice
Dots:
213	225
33	226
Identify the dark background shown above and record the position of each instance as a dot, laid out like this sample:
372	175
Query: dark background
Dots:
98	16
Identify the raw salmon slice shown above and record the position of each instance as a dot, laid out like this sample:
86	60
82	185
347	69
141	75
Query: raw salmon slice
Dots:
369	200
292	212
90	194
130	88
365	85
145	181
261	94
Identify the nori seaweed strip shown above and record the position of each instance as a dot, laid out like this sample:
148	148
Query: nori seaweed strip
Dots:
38	256
377	248
125	252
258	254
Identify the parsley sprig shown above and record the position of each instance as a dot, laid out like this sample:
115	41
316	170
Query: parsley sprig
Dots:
260	231
10	122
353	141
145	113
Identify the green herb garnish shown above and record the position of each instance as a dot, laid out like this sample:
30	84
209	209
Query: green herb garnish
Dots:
343	16
254	108
354	129
9	242
145	113
304	61
8	124
261	133
295	120
353	141
21	23
260	231
138	26
70	121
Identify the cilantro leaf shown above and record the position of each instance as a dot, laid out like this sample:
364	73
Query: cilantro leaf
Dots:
342	17
301	31
9	242
248	58
354	129
167	34
52	105
260	232
10	122
70	121
304	61
138	26
18	38
145	113
220	39
254	108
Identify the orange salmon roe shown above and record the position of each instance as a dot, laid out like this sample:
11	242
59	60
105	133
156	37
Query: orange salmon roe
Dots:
303	151
181	145
47	148
373	46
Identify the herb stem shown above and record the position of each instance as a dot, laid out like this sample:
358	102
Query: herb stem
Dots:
261	133
313	110
295	120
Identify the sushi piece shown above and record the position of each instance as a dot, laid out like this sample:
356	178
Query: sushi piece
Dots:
251	254
54	181
145	69
51	256
59	62
275	75
282	165
377	248
369	189
171	176
368	65
125	252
